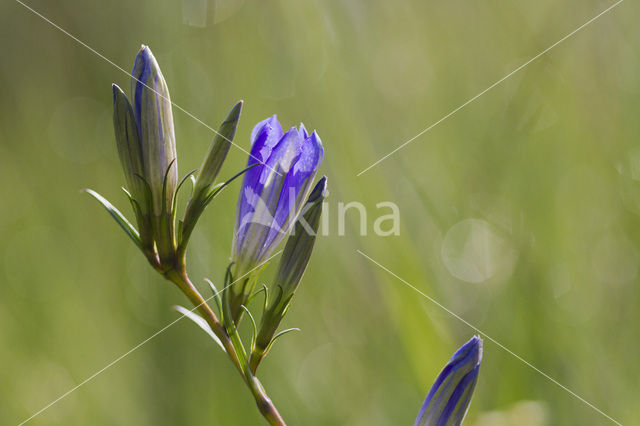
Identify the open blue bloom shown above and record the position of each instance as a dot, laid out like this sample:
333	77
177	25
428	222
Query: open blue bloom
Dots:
273	192
449	397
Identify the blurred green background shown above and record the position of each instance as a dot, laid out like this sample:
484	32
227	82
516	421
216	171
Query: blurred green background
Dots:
520	213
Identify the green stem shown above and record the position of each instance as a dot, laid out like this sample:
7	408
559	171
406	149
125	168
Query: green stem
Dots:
179	277
232	344
264	403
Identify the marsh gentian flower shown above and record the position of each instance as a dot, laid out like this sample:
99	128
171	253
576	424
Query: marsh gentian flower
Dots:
449	397
272	194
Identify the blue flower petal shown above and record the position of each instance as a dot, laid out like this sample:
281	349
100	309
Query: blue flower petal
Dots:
274	126
303	130
264	137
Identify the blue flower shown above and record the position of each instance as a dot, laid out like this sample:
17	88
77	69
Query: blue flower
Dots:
273	192
449	397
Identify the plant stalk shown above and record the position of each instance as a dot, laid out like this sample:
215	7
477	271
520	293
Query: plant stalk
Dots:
268	410
179	277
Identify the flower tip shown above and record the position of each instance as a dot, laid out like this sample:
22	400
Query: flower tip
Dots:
319	191
325	186
480	349
323	182
273	121
471	350
303	130
119	98
144	57
291	132
116	89
144	52
315	139
235	111
476	342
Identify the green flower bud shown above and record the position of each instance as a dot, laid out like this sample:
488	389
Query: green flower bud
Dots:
154	120
292	265
299	246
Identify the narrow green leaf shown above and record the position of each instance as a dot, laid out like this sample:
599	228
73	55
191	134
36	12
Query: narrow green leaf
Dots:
126	226
200	322
253	323
174	202
216	189
216	296
282	333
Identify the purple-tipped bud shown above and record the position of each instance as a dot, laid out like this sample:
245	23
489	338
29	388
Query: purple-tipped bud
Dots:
449	397
154	119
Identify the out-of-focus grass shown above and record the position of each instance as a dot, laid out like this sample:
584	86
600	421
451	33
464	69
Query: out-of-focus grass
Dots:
519	213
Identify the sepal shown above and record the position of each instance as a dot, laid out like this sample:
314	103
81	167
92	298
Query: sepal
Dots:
217	152
204	190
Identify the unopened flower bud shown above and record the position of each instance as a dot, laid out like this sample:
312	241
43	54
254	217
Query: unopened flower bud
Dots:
293	263
154	119
449	397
